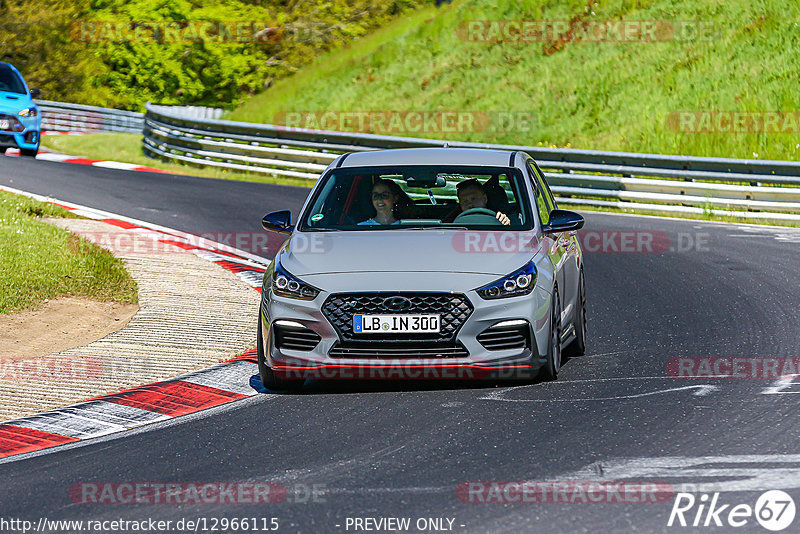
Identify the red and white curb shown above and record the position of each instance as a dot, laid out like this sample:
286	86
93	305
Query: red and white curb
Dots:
199	390
66	158
117	412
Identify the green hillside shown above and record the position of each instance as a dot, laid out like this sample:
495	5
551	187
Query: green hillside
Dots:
122	53
565	89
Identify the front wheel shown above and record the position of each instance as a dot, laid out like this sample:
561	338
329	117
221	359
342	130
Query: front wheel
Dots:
29	152
549	370
578	345
268	378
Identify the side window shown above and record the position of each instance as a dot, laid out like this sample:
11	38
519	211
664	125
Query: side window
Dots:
550	199
541	196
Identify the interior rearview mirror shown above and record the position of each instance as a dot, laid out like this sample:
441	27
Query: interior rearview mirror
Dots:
425	180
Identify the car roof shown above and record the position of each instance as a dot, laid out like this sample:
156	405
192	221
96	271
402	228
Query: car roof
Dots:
12	67
429	156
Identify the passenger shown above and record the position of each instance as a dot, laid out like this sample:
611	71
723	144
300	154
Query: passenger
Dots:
384	200
472	195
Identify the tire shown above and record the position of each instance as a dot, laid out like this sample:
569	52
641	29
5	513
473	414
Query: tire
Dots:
268	378
578	345
29	152
549	371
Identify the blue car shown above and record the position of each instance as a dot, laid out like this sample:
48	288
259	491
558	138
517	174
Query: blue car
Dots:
20	119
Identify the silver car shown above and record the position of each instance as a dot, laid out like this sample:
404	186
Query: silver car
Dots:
423	263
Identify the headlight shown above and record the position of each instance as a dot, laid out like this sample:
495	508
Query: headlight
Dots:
287	285
10	123
29	112
518	283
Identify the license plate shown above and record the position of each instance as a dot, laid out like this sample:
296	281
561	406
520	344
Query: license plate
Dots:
395	324
5	124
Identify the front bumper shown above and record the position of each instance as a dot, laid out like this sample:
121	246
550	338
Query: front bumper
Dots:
28	138
468	359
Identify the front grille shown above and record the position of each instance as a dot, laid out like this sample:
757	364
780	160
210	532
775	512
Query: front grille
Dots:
453	309
505	337
389	351
292	338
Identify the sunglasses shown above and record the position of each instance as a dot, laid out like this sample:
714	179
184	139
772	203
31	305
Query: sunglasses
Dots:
381	196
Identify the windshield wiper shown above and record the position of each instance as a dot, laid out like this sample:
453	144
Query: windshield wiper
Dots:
436	228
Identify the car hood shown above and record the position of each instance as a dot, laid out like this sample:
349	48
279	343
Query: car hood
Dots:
479	252
10	104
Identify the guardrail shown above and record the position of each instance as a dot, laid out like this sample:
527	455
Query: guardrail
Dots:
65	117
744	188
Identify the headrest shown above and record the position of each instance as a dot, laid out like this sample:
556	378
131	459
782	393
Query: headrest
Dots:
496	198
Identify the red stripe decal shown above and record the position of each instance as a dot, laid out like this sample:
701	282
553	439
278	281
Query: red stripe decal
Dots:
173	398
184	246
121	224
238	267
249	356
151	169
82	161
18	439
189	246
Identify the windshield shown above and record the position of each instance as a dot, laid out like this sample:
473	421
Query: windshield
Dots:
415	196
10	81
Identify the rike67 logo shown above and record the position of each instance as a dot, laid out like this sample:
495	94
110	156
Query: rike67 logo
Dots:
774	510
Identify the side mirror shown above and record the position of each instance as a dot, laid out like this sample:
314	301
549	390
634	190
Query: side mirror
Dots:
563	221
35	93
278	221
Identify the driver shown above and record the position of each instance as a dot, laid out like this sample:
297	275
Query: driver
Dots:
471	195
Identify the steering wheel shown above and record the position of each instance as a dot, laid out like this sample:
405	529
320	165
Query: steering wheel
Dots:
477	216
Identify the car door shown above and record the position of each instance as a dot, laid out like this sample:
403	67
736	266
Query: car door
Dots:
566	250
555	250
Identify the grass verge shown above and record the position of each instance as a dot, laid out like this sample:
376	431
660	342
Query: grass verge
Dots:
127	148
40	261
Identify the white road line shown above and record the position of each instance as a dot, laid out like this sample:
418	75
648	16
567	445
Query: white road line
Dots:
701	390
771	471
781	384
116	165
612	379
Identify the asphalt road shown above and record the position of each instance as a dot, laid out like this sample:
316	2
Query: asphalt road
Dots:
381	450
